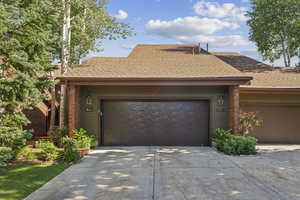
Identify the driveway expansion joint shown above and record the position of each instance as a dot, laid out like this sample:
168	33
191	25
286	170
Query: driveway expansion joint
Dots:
175	173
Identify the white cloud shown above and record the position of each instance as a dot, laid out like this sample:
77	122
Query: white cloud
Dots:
188	26
195	29
224	11
121	14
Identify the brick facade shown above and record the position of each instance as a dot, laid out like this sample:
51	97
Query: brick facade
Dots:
38	117
234	108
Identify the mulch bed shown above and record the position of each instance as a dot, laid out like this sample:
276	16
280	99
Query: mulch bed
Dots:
25	161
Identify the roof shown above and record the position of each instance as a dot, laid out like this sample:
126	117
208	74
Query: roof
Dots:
175	51
43	108
184	62
157	62
264	76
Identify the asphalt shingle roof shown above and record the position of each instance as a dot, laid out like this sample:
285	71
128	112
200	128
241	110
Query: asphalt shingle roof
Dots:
157	61
264	76
184	61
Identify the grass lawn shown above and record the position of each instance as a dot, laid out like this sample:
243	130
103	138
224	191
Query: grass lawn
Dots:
19	180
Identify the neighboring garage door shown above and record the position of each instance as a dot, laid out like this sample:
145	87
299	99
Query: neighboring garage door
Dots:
280	123
145	123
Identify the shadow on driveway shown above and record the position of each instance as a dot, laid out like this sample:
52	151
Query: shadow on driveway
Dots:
176	173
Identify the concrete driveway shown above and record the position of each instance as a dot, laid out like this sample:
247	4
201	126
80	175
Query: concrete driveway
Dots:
178	173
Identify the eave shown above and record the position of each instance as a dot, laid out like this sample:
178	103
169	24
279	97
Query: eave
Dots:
269	90
193	81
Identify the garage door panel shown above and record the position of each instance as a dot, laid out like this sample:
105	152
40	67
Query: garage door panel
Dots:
280	123
138	123
125	117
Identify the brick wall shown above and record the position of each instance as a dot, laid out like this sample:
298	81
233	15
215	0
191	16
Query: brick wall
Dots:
234	108
73	108
38	122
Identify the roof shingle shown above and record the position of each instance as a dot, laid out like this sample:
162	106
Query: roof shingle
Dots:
264	76
184	61
156	61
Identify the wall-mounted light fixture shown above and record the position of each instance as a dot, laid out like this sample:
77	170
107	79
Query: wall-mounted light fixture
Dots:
88	100
220	100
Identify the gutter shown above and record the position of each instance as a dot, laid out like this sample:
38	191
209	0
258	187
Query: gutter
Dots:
192	81
228	78
269	90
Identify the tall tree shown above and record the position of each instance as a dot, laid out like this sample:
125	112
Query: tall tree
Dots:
65	55
27	45
89	24
274	27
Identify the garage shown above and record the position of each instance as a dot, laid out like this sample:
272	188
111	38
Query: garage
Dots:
280	122
154	122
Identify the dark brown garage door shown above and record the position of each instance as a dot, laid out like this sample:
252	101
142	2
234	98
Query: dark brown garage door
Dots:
145	123
280	123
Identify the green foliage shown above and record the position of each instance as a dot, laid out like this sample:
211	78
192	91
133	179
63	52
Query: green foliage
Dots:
91	23
82	140
69	155
30	40
10	134
230	144
57	134
6	154
27	41
94	142
26	153
248	122
274	27
49	151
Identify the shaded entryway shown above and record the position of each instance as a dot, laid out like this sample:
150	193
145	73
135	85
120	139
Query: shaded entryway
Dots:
155	122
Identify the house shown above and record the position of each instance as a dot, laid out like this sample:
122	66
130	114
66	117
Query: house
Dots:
275	94
178	95
39	119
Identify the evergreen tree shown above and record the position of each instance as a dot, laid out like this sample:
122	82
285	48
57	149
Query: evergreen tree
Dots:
27	44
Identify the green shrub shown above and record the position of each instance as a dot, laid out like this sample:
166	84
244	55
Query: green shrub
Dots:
49	151
83	140
6	154
69	154
230	144
57	134
94	142
13	138
26	153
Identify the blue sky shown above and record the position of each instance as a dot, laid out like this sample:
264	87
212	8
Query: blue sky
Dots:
220	23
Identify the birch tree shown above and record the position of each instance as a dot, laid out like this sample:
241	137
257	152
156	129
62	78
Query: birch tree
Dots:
90	24
65	56
85	24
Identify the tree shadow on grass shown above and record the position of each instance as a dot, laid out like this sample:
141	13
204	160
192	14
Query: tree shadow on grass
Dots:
19	180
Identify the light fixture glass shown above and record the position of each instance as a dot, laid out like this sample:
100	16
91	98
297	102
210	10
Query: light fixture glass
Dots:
220	100
89	100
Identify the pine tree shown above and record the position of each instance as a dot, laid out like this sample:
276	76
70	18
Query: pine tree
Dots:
27	48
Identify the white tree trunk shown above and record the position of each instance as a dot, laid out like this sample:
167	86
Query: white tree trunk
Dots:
83	30
65	56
